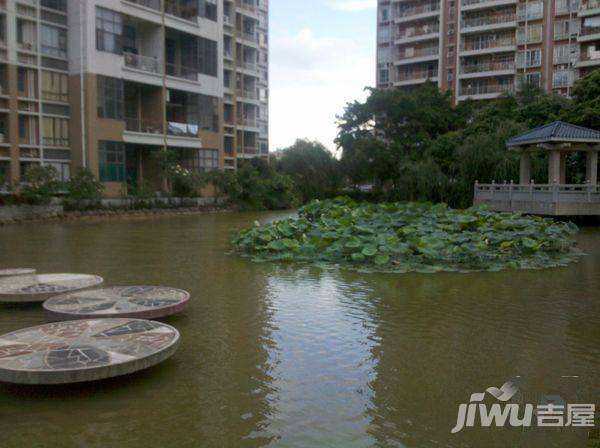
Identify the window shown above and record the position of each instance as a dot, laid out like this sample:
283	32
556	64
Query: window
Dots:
63	170
208	113
533	79
54	41
207	56
110	97
59	5
534	34
384	55
562	78
563	28
55	86
109	31
111	161
384	76
385	14
200	160
55	131
529	58
563	54
208	9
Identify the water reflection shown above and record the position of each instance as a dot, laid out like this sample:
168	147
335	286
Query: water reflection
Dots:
288	355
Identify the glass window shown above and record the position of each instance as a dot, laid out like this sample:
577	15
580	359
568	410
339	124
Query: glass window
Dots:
55	86
208	113
200	160
55	131
109	31
54	41
207	56
59	5
111	161
208	9
110	97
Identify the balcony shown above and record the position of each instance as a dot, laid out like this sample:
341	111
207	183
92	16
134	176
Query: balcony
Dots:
247	7
245	65
248	122
588	34
486	91
415	77
143	126
589	58
492	68
249	36
151	4
591	8
418	55
182	71
488	23
472	5
182	129
149	64
418	34
489	46
247	94
56	141
418	12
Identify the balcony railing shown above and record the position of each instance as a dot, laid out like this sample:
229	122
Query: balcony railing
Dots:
485	89
472	22
588	31
246	6
27	46
247	65
421	31
251	36
56	141
250	122
182	71
140	62
591	4
488	67
251	95
487	44
182	129
422	9
152	4
142	125
420	52
187	12
416	75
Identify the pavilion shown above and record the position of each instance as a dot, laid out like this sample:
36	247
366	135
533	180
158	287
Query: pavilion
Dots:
556	198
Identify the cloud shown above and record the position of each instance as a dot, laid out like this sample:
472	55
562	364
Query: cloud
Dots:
312	78
352	5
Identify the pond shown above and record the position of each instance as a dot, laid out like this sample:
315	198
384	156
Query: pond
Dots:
293	356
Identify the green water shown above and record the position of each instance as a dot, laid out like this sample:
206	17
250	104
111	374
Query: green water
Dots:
292	356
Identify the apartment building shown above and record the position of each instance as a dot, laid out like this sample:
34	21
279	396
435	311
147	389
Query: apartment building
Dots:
481	49
111	84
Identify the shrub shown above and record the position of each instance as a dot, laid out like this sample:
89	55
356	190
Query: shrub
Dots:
40	184
83	186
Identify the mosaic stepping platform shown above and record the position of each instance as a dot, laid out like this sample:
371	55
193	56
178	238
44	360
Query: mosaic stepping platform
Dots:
84	350
40	287
16	271
148	302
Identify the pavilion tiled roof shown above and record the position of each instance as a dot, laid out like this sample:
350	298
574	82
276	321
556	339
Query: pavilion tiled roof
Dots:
559	131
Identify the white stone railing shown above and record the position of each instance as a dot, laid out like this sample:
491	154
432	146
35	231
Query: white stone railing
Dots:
541	193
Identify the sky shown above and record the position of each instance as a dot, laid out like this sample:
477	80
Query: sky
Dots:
322	56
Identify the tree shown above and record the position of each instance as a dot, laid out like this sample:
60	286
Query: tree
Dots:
585	109
40	184
313	168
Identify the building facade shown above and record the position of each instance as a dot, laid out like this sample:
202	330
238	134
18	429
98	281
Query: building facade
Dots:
112	84
481	49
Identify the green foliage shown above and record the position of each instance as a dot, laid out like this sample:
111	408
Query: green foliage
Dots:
404	237
83	186
185	183
40	184
313	168
257	186
413	145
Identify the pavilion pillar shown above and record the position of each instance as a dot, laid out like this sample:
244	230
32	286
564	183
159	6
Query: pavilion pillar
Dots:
563	168
554	166
591	167
525	169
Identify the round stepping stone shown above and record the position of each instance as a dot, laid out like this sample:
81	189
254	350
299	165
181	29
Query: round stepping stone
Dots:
84	350
16	271
147	302
38	288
